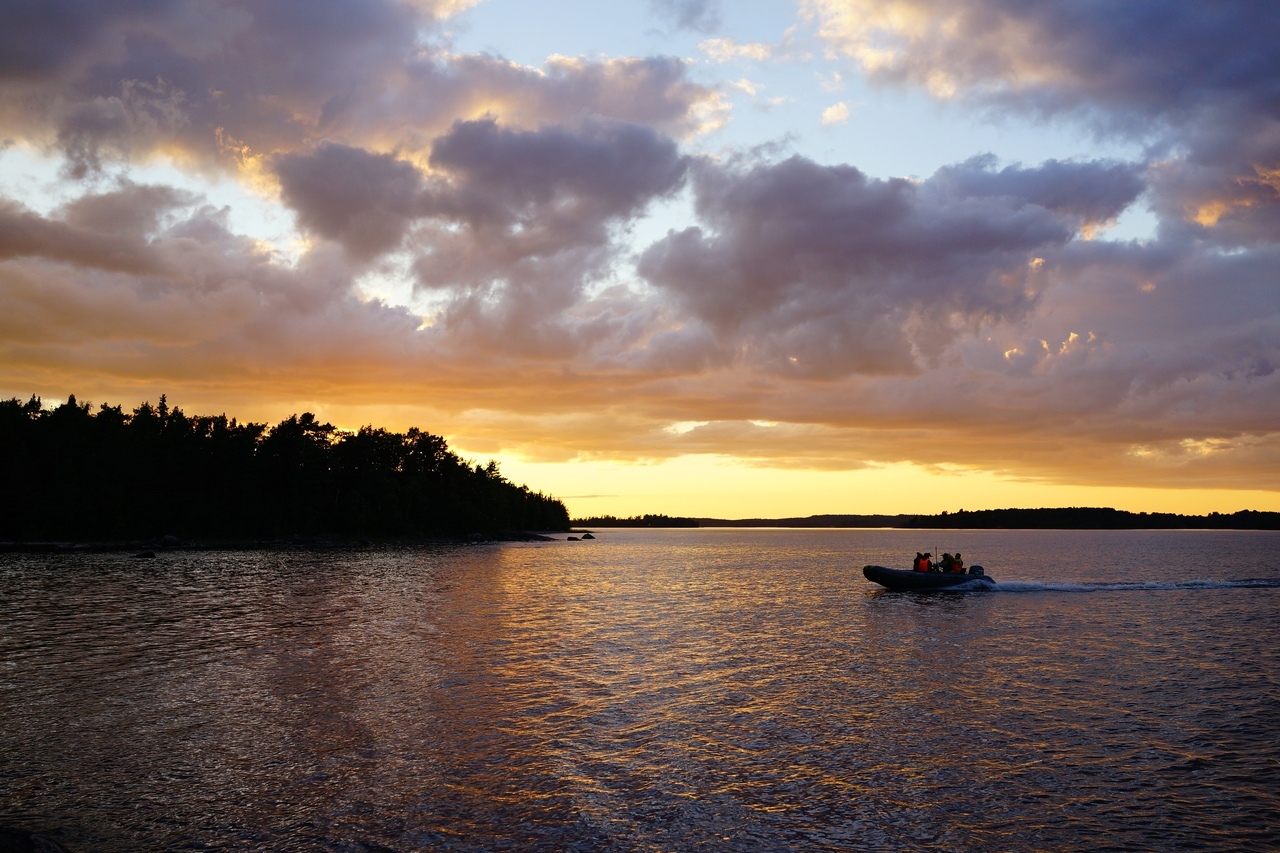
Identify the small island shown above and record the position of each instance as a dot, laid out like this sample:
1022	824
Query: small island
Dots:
636	521
69	473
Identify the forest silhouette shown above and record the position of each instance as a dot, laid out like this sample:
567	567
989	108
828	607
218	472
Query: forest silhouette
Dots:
68	473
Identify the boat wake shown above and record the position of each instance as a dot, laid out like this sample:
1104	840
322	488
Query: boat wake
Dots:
1102	586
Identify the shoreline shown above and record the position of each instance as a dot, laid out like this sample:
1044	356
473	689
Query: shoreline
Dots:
294	543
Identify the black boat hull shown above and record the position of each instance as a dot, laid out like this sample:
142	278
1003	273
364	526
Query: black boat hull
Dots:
900	580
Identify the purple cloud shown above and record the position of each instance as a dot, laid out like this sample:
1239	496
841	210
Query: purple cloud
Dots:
226	81
821	271
363	200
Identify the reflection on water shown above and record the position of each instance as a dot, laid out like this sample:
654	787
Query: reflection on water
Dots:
670	690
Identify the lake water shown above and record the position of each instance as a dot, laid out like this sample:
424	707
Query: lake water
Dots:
649	690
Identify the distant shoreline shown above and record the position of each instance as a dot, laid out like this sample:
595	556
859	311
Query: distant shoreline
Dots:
1066	518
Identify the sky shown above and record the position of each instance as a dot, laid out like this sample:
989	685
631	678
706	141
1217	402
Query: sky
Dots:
693	257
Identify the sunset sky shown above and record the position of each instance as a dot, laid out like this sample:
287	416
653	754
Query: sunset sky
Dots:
696	257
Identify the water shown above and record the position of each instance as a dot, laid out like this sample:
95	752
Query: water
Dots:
650	690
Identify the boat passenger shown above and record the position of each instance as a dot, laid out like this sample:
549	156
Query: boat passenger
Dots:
917	565
948	562
928	562
958	565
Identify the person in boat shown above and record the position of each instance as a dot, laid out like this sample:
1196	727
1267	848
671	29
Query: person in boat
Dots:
957	565
922	563
948	562
915	564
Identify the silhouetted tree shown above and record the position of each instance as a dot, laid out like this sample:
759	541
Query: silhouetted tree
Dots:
68	473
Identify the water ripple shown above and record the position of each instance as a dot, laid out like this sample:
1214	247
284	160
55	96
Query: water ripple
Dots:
649	691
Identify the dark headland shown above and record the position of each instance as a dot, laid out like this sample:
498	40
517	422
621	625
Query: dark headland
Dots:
157	475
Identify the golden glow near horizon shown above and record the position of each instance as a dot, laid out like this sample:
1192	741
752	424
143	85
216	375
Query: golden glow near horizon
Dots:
715	487
704	485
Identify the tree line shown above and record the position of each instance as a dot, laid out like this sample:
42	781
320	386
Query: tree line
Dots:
68	472
1096	518
646	520
1063	518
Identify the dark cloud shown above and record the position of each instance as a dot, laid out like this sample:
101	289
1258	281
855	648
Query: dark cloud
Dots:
822	271
101	232
363	200
230	81
521	221
591	173
40	39
1089	194
498	196
511	225
199	77
510	203
132	210
1146	59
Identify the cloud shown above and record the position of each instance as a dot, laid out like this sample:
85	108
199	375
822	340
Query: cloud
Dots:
1157	58
837	113
107	232
37	40
377	141
201	306
228	84
823	272
832	82
721	50
698	15
1089	193
1194	82
593	171
360	199
506	231
520	221
957	320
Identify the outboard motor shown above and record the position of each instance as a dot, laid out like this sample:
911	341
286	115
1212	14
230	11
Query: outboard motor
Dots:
978	571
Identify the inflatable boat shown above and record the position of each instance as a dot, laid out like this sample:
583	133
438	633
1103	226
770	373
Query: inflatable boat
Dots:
901	580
